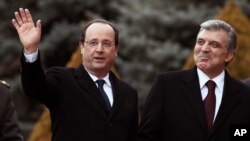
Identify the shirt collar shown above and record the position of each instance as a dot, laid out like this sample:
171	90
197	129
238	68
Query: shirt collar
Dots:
219	80
105	78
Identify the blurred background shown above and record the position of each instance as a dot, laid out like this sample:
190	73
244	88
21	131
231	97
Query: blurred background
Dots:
155	36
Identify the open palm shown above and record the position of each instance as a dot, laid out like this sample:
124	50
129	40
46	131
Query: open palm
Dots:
29	34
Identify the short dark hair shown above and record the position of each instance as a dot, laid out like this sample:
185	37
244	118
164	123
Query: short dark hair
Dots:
82	38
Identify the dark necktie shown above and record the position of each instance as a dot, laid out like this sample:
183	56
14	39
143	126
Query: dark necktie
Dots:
209	103
100	83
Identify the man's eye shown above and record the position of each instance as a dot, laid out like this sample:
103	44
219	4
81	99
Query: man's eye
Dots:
93	43
215	45
106	44
200	42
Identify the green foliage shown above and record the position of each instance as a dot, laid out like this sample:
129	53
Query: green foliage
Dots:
64	37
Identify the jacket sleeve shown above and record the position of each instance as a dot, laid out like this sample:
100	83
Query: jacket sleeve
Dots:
34	81
9	128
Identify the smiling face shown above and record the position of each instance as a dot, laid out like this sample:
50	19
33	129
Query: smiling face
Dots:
211	53
98	50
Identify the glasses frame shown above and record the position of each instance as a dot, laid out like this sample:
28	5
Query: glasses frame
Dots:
94	44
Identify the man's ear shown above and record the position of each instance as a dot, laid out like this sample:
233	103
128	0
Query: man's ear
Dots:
229	57
81	47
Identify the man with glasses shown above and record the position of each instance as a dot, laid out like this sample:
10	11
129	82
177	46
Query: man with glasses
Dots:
87	103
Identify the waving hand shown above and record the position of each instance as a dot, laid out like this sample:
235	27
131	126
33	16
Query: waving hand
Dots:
29	33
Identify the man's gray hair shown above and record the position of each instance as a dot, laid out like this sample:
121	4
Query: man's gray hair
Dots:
222	25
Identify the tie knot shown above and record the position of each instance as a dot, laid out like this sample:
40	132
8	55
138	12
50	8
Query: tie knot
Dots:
210	84
100	82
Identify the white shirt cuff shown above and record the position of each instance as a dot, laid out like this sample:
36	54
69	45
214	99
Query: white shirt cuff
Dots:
30	58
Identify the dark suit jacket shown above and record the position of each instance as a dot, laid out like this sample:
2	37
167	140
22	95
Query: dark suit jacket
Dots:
9	129
174	110
77	110
247	81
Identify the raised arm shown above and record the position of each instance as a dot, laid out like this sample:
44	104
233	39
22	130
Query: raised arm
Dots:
29	33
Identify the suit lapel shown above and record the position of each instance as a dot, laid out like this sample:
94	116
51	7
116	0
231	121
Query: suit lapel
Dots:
191	91
229	101
85	81
117	93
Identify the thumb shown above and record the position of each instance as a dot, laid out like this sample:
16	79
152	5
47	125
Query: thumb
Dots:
39	25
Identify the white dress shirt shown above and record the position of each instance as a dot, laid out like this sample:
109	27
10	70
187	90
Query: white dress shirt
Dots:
219	80
106	86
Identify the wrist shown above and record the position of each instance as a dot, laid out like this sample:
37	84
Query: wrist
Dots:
30	51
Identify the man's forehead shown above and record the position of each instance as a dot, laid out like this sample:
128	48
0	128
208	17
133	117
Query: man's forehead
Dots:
213	34
97	31
99	25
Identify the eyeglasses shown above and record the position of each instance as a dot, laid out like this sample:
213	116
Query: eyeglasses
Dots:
94	44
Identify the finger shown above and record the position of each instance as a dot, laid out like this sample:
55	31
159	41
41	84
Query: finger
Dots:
16	25
18	19
28	15
23	15
39	25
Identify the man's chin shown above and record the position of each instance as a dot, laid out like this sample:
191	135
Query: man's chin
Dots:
98	67
202	66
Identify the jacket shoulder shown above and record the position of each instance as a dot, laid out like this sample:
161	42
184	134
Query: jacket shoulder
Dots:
174	74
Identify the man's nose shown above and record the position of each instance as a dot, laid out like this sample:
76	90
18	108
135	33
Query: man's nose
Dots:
205	47
99	47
